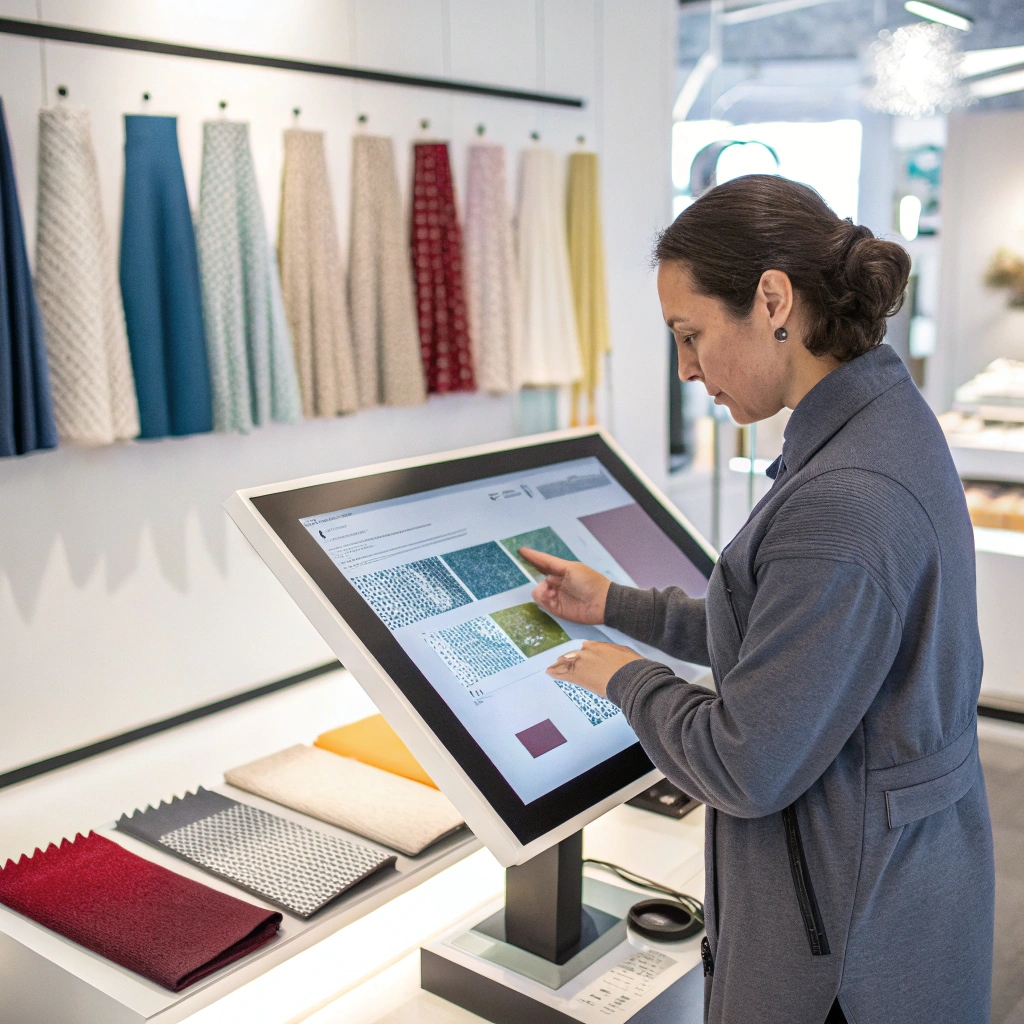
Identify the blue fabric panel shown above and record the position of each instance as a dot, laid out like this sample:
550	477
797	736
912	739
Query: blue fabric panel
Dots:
26	407
160	284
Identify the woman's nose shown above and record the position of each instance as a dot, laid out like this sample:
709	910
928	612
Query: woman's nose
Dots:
689	369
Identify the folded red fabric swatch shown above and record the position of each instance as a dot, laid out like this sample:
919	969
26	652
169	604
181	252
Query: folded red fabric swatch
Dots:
157	923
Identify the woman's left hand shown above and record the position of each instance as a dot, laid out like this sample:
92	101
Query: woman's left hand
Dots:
594	665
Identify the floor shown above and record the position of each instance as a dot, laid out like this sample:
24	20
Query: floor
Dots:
1002	755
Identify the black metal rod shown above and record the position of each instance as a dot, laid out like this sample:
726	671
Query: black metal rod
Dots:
30	771
63	34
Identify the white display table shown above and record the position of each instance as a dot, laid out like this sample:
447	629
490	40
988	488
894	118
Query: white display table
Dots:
355	962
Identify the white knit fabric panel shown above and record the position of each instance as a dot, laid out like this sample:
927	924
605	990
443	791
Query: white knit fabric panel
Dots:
384	327
404	815
492	276
76	284
551	351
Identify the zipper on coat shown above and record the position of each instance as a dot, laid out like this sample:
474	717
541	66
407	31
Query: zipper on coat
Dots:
802	880
706	958
732	604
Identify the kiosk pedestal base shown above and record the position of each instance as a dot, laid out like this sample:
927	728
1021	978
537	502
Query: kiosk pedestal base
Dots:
594	970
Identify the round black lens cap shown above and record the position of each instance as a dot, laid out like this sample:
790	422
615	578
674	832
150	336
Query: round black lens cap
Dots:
663	920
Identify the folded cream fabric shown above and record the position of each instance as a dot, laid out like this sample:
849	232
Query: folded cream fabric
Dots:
404	815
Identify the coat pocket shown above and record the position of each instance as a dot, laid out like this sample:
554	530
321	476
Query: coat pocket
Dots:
809	911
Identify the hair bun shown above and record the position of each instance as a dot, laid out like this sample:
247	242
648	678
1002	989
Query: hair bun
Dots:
875	273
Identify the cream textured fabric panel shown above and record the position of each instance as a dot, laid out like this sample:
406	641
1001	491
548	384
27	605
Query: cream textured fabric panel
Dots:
312	282
551	350
586	265
384	329
252	367
492	276
403	815
76	284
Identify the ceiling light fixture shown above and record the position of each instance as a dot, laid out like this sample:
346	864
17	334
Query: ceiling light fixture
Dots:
918	72
931	12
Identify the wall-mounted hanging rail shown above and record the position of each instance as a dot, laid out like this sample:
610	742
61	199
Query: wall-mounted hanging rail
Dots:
63	34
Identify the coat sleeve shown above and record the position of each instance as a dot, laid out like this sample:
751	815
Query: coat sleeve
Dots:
666	619
821	638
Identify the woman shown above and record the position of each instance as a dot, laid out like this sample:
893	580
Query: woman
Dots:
849	851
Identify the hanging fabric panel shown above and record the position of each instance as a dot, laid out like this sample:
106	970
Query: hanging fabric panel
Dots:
385	333
551	351
312	281
437	268
252	366
160	283
492	282
153	921
26	408
586	263
76	283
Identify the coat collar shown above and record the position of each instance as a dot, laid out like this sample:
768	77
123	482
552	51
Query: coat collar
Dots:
836	399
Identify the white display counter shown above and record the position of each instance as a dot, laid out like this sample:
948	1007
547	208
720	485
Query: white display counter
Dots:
323	970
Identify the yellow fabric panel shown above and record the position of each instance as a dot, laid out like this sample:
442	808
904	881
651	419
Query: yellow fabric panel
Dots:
372	741
586	265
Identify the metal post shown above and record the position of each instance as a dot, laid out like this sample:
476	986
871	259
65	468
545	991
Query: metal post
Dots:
716	480
752	452
544	901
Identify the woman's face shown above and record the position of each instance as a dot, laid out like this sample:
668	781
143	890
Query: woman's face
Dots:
739	361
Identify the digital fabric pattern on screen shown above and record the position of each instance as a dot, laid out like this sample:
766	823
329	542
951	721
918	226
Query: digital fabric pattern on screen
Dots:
545	539
474	650
533	631
596	709
409	593
485	570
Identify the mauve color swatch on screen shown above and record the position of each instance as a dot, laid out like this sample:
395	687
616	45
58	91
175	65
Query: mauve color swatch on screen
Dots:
634	540
541	738
165	927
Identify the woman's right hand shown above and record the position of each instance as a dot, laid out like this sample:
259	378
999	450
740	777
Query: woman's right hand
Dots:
571	590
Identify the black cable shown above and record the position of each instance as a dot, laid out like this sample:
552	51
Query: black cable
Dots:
693	906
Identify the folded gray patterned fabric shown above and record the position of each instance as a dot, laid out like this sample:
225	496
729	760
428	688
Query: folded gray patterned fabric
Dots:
404	815
296	868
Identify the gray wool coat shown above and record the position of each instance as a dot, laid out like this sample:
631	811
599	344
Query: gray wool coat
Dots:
849	848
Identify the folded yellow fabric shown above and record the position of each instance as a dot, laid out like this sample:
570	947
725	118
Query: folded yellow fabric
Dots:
389	809
372	741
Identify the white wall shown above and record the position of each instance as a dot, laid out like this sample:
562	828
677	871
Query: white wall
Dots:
125	595
982	209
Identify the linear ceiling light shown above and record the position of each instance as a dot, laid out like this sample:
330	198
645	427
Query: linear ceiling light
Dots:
773	8
931	12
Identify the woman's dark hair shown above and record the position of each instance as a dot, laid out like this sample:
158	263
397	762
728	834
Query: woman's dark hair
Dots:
849	280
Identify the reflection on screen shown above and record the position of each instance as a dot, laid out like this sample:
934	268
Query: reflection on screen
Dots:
442	570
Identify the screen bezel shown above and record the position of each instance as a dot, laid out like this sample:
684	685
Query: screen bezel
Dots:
283	512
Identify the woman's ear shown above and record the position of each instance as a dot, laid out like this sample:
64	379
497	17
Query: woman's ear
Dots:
776	291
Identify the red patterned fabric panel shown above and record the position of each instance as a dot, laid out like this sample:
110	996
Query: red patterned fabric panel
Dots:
157	923
437	270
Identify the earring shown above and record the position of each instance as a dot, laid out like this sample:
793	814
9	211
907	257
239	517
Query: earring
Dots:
781	334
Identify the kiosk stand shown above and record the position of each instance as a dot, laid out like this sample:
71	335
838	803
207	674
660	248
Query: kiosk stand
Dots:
413	572
558	951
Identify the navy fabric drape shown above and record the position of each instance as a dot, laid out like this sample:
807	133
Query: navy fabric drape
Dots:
160	284
26	408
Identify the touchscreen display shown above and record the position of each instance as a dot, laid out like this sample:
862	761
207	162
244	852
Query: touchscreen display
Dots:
441	569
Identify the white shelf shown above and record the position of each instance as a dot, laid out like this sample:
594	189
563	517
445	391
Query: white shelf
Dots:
977	462
43	975
999	542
